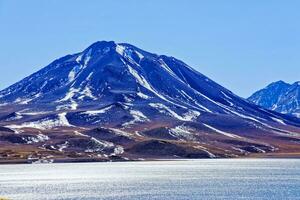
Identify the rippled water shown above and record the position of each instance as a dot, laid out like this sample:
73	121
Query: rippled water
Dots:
192	179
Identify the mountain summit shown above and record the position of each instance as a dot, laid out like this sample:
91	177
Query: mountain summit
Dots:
107	72
279	96
114	100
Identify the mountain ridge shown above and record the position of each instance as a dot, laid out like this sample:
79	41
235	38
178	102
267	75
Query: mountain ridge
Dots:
279	96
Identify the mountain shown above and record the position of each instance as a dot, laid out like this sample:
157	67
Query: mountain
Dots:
114	101
279	96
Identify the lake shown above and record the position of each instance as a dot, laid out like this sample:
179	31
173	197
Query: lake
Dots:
182	179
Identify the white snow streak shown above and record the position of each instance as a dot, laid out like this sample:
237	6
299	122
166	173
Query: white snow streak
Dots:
221	132
189	116
97	112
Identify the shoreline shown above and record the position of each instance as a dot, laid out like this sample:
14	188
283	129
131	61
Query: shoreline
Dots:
89	160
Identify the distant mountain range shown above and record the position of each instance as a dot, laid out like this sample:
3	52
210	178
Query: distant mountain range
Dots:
279	96
114	101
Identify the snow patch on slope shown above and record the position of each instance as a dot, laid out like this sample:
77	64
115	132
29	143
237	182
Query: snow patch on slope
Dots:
138	116
36	139
45	124
143	82
120	49
189	116
142	95
73	73
182	132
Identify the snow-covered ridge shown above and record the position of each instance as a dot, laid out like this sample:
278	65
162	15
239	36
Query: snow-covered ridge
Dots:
279	96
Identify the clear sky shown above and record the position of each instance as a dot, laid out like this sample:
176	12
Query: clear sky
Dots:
242	45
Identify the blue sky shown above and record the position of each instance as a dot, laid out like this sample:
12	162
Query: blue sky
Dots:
242	45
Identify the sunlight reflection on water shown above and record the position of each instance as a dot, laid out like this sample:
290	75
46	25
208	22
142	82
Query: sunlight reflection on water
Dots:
188	179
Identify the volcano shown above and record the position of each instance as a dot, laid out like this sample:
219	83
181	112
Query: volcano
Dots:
114	101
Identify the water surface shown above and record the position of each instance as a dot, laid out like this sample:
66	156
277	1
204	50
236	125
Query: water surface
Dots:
188	179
